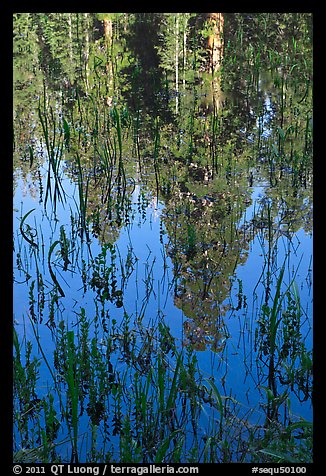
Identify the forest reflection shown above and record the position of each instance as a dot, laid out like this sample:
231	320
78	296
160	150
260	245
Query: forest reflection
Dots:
215	120
163	222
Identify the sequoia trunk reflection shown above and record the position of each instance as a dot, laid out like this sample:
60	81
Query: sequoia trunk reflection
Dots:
215	40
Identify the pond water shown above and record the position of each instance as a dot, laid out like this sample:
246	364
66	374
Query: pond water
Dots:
163	237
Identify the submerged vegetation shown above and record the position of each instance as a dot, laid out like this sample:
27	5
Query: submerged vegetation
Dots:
162	241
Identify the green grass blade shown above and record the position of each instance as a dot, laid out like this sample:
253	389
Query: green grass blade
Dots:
66	131
53	276
31	242
161	452
173	390
216	394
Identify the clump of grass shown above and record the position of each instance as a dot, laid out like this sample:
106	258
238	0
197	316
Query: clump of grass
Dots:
292	444
54	137
136	388
281	347
26	374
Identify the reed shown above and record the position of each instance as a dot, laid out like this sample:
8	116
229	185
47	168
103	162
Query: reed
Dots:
118	121
52	274
27	234
73	379
83	197
54	142
155	155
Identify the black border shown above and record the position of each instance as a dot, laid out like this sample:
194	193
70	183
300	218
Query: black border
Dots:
6	189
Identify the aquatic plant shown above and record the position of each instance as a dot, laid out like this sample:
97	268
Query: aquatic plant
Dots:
54	143
27	234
